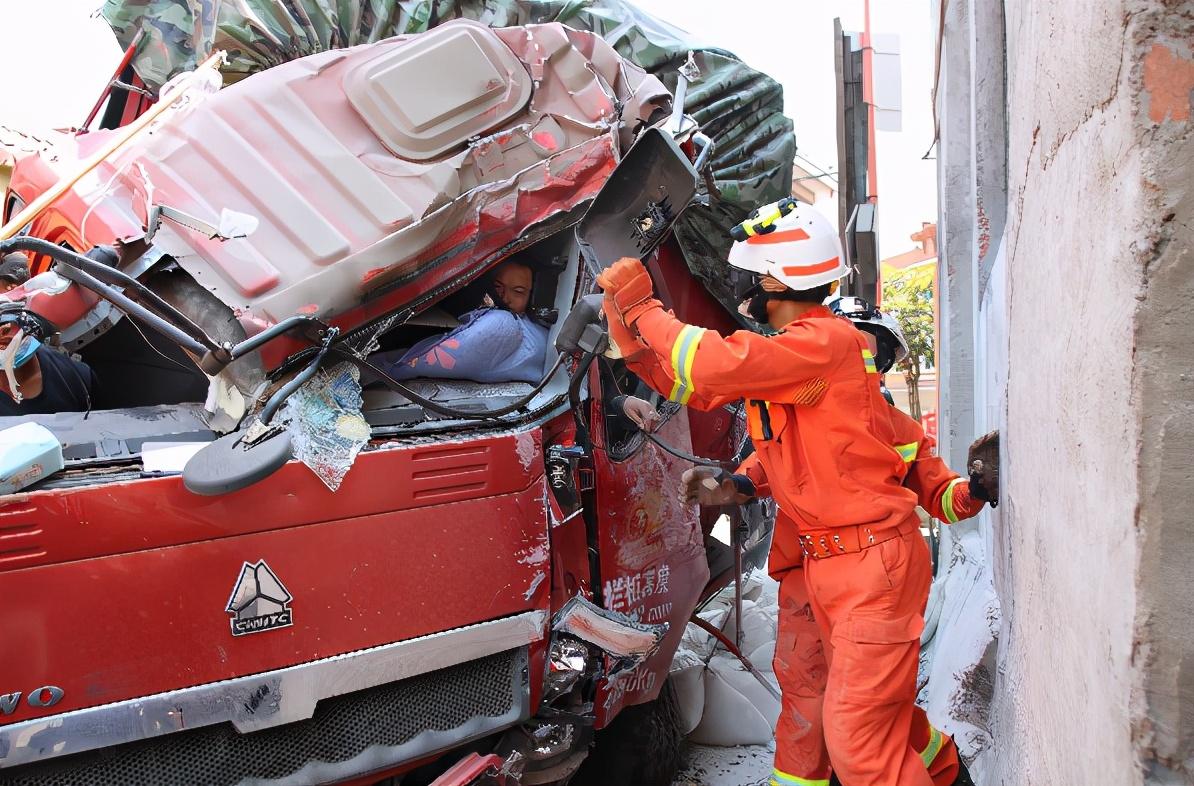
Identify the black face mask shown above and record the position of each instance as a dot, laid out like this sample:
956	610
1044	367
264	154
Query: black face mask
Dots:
757	308
758	304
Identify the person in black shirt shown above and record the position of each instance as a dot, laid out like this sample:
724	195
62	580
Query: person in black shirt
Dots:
47	380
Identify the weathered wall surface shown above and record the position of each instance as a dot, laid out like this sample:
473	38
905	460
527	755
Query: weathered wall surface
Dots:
1066	580
1092	550
1163	723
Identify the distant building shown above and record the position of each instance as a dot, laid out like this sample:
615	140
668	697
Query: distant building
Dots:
922	260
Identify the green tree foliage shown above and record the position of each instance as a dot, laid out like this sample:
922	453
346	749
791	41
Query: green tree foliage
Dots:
908	297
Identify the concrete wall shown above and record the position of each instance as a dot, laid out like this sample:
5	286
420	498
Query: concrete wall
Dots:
1081	344
1163	650
958	660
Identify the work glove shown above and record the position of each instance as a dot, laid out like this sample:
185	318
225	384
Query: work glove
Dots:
715	487
983	464
623	339
629	292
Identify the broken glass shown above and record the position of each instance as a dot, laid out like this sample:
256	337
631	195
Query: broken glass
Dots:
325	422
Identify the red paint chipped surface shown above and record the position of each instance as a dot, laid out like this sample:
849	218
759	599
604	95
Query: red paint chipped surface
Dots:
545	140
372	274
1168	79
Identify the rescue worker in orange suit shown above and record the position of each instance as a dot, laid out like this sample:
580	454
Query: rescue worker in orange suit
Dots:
824	436
800	657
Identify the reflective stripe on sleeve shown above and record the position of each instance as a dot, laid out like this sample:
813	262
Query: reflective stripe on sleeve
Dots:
683	353
936	740
947	500
908	452
868	360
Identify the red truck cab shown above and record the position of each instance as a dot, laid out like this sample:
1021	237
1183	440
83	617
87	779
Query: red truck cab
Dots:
474	584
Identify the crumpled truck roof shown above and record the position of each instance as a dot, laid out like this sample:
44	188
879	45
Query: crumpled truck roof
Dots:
738	106
382	173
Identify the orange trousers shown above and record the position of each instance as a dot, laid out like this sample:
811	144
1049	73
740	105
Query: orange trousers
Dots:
846	659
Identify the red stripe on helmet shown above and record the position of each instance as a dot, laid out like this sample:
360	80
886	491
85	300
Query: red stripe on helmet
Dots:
785	236
812	270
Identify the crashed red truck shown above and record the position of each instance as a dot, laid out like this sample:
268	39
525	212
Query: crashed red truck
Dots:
500	570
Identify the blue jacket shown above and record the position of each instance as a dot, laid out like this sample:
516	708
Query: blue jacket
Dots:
489	345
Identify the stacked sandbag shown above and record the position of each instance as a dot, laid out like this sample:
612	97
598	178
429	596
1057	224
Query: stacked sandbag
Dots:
721	703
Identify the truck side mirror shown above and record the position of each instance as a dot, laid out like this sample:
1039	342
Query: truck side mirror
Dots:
582	330
233	462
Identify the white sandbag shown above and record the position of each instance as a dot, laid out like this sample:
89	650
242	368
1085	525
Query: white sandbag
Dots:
758	626
697	640
762	656
687	677
752	587
738	710
728	628
769	597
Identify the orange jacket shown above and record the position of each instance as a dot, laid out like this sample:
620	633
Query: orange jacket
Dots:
821	428
939	490
942	492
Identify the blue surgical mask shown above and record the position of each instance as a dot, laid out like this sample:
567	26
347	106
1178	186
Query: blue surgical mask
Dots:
28	349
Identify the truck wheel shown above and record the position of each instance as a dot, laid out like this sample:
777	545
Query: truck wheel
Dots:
643	746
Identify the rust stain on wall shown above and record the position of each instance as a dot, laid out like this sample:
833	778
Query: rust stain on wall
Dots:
1168	80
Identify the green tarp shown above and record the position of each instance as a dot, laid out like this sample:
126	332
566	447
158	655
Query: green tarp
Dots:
740	108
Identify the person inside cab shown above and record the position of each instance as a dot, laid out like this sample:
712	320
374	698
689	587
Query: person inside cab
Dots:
498	342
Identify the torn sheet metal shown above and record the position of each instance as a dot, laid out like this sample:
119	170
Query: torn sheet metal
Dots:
347	227
626	642
737	106
567	663
326	426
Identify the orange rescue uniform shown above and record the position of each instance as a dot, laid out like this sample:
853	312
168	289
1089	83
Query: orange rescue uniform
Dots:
801	659
825	437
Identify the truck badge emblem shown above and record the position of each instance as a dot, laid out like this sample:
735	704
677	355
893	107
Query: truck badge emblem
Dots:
259	602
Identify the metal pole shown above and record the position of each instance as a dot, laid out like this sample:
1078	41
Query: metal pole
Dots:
117	141
124	61
868	96
737	545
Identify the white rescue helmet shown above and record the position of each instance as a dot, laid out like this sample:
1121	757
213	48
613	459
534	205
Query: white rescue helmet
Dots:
791	242
889	336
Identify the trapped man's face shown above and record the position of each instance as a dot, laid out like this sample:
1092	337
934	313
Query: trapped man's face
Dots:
512	285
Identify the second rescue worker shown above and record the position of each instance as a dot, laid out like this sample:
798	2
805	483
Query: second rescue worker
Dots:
824	436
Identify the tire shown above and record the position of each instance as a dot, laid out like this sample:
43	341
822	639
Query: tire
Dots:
643	746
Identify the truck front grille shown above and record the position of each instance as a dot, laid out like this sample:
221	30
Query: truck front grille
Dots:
348	735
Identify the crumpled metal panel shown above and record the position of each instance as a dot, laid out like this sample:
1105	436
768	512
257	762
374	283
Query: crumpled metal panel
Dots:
739	107
345	222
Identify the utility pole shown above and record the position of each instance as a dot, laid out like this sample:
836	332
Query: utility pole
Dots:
857	174
868	97
872	167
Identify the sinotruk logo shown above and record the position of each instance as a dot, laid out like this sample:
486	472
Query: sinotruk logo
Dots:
259	601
